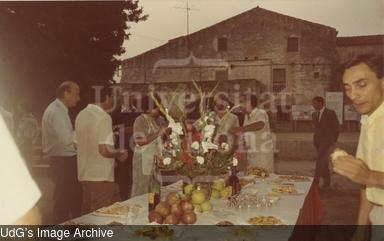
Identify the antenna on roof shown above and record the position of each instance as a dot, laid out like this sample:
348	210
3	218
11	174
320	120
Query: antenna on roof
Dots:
188	9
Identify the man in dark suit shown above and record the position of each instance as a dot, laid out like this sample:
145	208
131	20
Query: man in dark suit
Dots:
326	134
123	118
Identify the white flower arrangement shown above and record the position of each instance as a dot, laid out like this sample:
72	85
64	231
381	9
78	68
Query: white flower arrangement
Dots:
225	146
201	157
195	145
200	160
235	162
167	161
208	146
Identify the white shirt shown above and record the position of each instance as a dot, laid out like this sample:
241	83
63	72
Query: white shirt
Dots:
256	137
19	192
321	113
371	149
57	130
93	126
7	116
259	144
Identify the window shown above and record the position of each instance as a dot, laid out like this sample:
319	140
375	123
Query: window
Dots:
278	80
221	75
293	44
316	75
222	44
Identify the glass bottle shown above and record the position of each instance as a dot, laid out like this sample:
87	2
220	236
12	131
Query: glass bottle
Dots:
154	187
234	182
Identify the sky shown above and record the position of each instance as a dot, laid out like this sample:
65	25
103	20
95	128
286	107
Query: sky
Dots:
168	18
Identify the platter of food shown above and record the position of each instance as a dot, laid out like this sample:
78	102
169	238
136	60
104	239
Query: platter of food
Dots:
118	210
287	189
247	180
265	220
256	171
295	178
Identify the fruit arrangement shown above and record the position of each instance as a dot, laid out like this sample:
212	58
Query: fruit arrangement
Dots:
199	197
220	190
173	210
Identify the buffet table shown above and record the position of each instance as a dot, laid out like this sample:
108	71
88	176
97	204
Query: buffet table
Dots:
304	208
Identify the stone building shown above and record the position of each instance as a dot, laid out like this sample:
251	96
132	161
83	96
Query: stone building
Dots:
258	50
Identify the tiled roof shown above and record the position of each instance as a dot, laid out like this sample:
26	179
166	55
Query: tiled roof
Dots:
360	40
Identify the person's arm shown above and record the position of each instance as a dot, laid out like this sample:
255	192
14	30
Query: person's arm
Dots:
357	171
139	127
364	209
258	123
19	191
362	230
254	126
142	140
62	130
106	143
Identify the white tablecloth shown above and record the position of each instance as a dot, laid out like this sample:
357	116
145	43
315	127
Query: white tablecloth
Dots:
287	209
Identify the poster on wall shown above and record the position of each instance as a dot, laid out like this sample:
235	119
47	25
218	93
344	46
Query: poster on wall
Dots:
334	101
302	112
350	114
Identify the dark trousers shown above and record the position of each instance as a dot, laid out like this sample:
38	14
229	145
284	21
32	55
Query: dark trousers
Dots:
123	177
322	165
67	192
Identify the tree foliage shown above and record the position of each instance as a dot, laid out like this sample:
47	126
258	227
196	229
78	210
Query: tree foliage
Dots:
44	43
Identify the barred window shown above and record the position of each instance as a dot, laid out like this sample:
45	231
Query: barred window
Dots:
279	80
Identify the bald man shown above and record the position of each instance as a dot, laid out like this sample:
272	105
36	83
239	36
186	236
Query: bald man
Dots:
58	146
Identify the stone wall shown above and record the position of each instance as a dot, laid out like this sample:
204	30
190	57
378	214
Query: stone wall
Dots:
256	44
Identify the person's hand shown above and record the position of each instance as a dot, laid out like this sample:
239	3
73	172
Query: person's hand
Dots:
352	168
123	155
165	131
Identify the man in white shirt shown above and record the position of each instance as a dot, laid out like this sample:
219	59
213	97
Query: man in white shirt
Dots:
256	133
363	82
19	193
58	145
96	153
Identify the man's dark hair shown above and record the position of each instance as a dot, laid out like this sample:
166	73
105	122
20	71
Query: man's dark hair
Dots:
146	103
374	61
99	92
252	98
319	99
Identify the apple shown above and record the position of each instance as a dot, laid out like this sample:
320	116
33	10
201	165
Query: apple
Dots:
198	197
197	208
155	217
163	209
172	219
186	206
176	209
218	185
206	206
188	189
173	198
215	193
189	217
226	192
